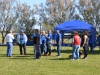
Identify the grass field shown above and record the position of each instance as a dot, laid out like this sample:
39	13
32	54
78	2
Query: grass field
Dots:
48	65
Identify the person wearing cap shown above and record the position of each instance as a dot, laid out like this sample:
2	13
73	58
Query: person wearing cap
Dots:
9	41
22	40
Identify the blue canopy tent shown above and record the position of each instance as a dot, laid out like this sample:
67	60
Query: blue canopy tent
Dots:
76	25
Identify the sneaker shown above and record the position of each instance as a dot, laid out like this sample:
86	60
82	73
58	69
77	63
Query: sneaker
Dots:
58	56
36	58
85	58
40	55
77	59
71	59
45	55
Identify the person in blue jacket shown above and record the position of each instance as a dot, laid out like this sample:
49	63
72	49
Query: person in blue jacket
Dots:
43	43
58	42
90	43
98	40
48	43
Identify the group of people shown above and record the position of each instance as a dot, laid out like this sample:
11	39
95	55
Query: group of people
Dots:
21	41
77	41
42	43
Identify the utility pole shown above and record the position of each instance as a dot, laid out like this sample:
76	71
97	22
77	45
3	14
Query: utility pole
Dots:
40	27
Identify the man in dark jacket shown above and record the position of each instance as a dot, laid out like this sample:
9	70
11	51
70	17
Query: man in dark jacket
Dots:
36	41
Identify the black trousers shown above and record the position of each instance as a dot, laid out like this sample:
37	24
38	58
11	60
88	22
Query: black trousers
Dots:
43	48
24	47
48	44
37	52
86	49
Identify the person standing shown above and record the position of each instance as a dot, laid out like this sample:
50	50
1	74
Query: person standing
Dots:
36	42
98	40
43	43
9	41
21	40
48	42
85	44
76	41
90	43
58	42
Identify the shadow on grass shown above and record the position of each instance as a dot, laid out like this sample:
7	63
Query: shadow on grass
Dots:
17	56
20	58
14	57
63	51
31	54
3	55
95	52
66	51
61	59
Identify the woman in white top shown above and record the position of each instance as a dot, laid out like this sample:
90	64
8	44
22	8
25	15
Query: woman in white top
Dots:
9	41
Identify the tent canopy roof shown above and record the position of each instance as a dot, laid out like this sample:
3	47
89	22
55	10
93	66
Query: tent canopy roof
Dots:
74	25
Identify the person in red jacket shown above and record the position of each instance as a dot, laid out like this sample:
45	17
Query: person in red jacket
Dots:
76	41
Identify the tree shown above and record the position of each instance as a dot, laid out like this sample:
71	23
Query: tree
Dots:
89	10
7	18
26	17
56	11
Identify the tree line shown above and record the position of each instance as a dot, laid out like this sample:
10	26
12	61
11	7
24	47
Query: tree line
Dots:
15	15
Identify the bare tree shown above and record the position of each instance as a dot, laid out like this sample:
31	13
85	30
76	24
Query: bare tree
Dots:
7	18
26	17
56	11
89	10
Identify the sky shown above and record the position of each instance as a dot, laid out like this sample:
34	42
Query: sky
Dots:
31	2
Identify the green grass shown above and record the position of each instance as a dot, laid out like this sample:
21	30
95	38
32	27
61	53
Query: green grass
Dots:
48	65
